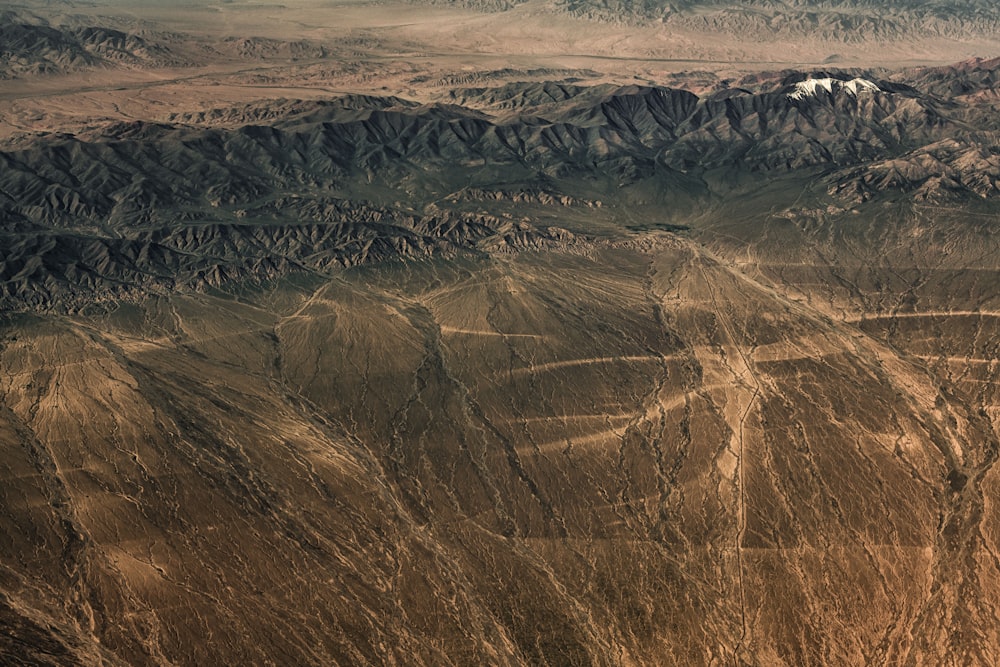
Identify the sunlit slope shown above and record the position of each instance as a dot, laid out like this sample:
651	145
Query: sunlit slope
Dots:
624	455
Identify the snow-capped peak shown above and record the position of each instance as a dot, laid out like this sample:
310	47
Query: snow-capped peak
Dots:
811	87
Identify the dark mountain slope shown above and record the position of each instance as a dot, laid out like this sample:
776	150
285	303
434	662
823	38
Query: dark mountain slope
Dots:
28	49
258	196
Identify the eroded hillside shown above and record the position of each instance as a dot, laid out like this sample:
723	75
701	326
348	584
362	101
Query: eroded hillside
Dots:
317	348
648	452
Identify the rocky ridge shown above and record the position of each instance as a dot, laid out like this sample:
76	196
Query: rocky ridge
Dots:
129	203
38	48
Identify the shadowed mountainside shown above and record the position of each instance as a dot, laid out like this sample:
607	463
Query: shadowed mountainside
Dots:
141	205
37	48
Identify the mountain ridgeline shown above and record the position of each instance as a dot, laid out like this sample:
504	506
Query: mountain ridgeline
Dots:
151	205
38	48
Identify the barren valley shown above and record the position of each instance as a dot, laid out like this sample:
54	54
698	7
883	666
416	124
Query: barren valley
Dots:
499	333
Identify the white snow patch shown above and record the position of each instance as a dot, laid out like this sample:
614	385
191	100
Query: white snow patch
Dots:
811	87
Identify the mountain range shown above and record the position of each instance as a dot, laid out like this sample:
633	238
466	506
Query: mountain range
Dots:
144	204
